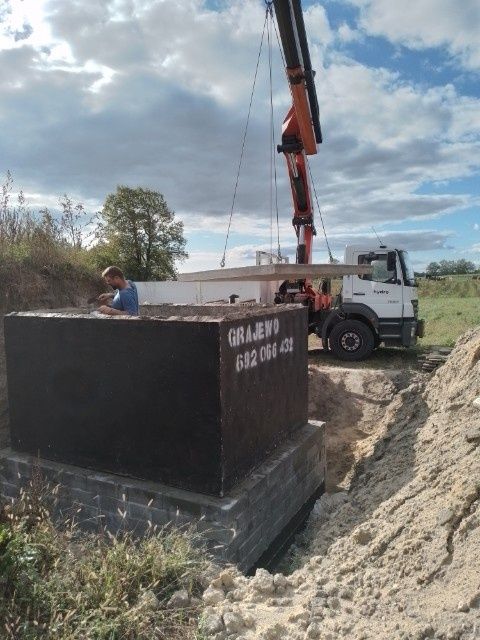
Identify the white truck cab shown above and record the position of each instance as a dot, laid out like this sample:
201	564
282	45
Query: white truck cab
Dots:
381	307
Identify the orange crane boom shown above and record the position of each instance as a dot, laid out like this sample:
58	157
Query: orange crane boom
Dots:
301	133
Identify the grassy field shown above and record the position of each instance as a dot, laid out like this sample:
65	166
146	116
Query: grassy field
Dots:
450	307
447	318
451	287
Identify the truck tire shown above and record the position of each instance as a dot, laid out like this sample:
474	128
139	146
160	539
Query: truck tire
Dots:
351	340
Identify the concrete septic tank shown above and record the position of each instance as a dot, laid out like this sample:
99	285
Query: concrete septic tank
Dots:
196	399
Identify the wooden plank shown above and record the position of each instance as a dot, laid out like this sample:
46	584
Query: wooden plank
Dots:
266	272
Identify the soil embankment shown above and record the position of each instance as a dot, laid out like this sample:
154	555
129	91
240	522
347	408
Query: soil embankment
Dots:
352	402
396	556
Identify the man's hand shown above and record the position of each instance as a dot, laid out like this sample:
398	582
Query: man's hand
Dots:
103	297
108	311
104	309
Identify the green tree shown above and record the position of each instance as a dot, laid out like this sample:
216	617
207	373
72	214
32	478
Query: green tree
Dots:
450	267
433	269
463	266
446	267
72	222
138	232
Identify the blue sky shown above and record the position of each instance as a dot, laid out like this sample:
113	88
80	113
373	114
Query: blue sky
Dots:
150	93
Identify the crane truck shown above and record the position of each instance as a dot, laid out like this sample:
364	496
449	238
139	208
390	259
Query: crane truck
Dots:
380	307
378	302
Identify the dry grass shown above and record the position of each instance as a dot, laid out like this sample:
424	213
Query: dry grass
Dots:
27	285
42	261
57	583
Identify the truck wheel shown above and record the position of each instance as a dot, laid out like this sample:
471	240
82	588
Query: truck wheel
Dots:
351	340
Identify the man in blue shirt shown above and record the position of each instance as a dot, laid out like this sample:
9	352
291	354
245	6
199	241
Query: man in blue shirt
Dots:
125	300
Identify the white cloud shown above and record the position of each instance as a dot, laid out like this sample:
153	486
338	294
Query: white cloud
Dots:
317	26
207	52
347	34
427	23
156	93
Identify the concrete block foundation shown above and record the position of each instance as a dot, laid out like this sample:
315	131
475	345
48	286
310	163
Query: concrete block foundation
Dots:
240	527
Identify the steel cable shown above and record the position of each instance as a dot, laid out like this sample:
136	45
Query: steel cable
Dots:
330	256
222	262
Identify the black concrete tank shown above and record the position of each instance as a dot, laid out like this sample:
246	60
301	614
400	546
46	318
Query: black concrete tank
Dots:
193	400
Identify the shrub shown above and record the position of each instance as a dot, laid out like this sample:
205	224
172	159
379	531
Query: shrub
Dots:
42	261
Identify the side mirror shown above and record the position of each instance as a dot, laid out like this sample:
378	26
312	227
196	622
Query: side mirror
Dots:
391	261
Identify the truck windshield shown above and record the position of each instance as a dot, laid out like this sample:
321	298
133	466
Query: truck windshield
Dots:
408	273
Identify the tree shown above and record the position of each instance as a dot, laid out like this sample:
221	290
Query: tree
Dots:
446	267
463	266
433	269
450	267
72	221
138	232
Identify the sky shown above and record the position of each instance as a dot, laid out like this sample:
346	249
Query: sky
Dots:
155	93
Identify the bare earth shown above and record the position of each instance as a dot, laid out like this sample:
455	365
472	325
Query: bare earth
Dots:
396	556
352	402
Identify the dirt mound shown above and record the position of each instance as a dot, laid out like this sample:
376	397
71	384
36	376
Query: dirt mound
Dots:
33	284
396	556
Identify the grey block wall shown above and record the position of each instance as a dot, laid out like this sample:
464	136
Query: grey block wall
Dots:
237	528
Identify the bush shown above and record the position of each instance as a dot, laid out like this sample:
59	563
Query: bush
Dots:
42	262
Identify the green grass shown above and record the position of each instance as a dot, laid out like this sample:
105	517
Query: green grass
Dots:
446	318
449	307
452	286
59	584
382	358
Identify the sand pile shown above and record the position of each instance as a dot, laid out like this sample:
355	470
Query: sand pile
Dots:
398	555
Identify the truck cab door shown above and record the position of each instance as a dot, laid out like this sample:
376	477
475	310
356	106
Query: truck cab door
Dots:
382	290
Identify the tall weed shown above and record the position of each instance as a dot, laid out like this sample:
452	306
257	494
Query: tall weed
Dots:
42	259
58	583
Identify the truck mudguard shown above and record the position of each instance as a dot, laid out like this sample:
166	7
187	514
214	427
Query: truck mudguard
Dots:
348	309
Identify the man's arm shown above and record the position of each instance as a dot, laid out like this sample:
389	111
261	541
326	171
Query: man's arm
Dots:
127	300
110	311
103	297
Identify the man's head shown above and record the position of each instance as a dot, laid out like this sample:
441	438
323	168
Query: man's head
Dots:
114	277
